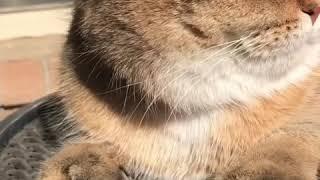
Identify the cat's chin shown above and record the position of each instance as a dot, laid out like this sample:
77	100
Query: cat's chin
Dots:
283	42
240	80
276	61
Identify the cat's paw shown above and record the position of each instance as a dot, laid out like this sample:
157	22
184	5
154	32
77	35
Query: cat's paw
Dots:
83	162
285	159
263	170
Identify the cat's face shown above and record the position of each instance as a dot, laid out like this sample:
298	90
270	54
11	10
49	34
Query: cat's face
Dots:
199	53
240	48
264	28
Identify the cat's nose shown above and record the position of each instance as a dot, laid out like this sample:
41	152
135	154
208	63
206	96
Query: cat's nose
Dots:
315	15
311	7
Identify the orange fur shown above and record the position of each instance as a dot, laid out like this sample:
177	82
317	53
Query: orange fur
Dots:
243	141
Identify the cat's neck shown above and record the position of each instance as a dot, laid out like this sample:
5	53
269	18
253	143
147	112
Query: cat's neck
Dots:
263	113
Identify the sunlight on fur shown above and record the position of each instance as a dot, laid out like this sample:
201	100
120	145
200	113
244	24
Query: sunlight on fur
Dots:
190	90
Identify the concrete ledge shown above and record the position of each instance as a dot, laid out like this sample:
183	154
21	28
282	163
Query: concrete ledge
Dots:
34	23
33	6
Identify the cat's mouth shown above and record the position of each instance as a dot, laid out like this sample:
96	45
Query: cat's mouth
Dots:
286	39
273	41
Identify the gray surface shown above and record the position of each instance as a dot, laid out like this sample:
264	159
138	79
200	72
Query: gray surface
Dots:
21	159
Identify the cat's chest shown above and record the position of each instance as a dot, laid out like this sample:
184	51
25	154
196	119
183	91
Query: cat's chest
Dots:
183	148
192	130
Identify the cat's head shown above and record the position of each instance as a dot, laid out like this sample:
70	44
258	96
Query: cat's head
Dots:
256	30
200	53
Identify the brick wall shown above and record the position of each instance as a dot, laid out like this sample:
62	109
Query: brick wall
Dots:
28	69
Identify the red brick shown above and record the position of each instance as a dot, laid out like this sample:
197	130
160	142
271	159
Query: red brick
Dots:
21	82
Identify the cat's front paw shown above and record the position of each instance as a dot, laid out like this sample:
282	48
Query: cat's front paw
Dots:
285	158
263	170
83	162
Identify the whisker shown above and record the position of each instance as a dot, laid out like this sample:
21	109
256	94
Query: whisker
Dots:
197	54
155	98
187	91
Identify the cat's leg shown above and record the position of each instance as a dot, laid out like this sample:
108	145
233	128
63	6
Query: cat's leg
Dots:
285	158
84	162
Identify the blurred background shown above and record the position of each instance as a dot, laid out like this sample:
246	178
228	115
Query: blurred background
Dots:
32	33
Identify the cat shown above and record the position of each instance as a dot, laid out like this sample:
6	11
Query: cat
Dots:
191	89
